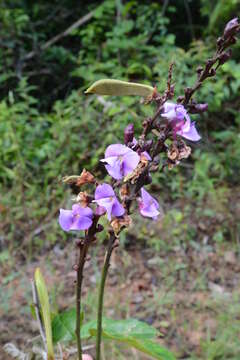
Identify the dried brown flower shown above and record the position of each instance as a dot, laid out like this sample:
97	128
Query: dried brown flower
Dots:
119	223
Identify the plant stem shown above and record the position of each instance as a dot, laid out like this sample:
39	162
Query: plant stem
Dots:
83	249
81	262
106	265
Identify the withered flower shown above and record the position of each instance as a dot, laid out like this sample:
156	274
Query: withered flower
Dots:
84	199
85	178
119	223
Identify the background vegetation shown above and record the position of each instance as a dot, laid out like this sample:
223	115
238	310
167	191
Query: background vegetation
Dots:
49	129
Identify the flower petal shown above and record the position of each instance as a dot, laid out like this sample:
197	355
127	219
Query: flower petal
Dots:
115	171
111	160
107	203
149	211
130	162
146	155
79	210
65	219
81	223
117	209
191	134
116	150
104	191
148	206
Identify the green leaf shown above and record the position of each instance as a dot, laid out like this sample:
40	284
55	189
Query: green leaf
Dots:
146	346
122	328
63	326
132	332
45	307
118	87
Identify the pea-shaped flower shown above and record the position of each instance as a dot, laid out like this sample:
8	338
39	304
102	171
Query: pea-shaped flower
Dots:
79	218
106	198
148	206
120	160
180	120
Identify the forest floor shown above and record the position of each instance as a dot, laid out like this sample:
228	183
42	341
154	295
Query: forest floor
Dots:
191	295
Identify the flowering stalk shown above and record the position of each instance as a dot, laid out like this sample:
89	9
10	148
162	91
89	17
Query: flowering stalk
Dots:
130	166
106	265
83	249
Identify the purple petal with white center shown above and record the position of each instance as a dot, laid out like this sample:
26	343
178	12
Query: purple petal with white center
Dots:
65	219
168	106
107	203
117	209
173	111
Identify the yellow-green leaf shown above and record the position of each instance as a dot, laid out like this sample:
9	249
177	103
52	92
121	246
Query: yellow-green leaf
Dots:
45	307
118	87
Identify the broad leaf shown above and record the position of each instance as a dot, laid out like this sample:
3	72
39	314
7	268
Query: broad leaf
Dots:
63	326
146	346
132	332
118	87
122	328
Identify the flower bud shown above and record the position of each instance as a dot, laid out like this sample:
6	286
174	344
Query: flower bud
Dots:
100	228
198	108
231	28
180	99
220	41
212	72
128	134
225	56
148	145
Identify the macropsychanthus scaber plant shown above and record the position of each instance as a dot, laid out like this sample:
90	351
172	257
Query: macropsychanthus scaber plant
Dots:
130	166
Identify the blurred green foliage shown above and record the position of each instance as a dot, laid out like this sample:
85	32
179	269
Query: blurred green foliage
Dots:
49	129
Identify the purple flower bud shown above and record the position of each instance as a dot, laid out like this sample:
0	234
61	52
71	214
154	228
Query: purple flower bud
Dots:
106	198
148	206
128	134
198	108
199	69
100	228
225	57
120	160
231	28
148	144
78	218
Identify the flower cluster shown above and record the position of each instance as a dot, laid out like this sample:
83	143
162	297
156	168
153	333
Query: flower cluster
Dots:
125	162
131	163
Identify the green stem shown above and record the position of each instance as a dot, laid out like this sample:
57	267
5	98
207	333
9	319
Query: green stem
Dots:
101	293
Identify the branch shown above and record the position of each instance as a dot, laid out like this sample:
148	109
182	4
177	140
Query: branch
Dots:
58	37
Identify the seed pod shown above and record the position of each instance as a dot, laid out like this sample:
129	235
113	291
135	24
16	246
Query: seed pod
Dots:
118	87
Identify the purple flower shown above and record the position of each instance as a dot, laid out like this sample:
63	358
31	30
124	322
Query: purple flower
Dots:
106	198
148	206
120	160
78	218
180	121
